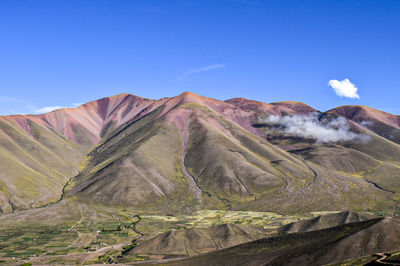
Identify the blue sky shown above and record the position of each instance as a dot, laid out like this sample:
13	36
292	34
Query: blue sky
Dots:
60	53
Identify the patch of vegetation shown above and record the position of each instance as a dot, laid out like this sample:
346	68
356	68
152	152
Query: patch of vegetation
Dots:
207	218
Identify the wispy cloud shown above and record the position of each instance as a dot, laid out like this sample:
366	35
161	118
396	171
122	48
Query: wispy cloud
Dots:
12	106
47	109
344	88
202	69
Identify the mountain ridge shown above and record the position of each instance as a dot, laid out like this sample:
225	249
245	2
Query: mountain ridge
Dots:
193	129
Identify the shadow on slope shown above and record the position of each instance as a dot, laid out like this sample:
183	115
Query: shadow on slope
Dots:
318	247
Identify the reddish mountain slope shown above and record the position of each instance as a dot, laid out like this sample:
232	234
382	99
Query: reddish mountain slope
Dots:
382	123
89	121
278	108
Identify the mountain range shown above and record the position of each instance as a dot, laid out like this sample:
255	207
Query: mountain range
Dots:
179	156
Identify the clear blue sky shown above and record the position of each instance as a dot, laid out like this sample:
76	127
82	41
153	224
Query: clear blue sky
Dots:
66	52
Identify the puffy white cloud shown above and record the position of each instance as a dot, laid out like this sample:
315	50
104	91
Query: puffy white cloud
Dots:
310	126
344	88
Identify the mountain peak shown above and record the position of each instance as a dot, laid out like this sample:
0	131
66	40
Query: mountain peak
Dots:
188	93
368	115
189	96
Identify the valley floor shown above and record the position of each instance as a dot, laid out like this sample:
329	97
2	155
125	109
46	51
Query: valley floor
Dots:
73	232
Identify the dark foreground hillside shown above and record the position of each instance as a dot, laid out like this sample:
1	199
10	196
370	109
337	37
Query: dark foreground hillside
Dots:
318	247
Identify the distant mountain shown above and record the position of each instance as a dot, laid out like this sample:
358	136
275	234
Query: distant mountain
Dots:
190	152
382	123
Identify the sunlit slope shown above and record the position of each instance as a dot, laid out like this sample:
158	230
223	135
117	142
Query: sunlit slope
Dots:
34	167
39	153
138	164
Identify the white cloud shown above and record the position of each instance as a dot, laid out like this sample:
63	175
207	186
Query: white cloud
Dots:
202	69
344	88
273	119
47	109
311	126
365	123
13	106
